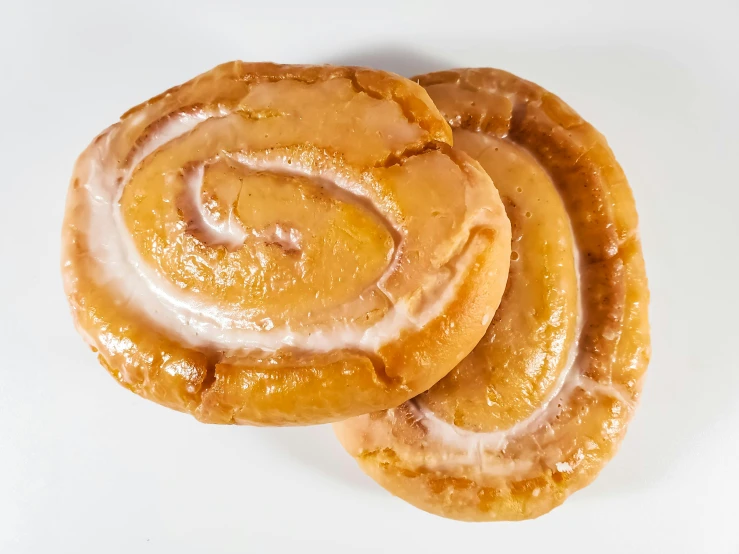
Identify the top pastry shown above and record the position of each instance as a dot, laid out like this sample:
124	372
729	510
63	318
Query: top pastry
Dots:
282	245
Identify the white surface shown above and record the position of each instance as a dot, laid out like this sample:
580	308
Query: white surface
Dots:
86	467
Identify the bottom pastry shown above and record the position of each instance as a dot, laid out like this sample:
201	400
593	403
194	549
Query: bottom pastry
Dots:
542	403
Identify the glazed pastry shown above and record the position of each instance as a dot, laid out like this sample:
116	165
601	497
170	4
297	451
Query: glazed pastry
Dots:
542	403
282	245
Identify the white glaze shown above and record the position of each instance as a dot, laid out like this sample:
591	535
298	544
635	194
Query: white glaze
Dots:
288	238
229	232
470	442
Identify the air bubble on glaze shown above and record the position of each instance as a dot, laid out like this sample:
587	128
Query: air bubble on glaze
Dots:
486	319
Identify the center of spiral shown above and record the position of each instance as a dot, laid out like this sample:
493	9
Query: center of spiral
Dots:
257	235
225	204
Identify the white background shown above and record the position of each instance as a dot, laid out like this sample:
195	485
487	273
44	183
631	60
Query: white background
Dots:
87	467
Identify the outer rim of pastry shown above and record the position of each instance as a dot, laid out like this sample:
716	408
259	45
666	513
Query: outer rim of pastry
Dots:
415	456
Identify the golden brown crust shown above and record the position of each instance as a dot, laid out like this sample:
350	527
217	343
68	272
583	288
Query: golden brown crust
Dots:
261	104
480	468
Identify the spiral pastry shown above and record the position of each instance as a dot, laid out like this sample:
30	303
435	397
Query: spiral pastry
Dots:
273	244
542	402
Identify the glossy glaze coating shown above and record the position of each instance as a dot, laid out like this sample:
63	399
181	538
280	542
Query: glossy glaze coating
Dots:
541	404
282	245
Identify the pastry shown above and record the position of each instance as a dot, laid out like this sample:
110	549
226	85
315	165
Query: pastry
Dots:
542	403
280	245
